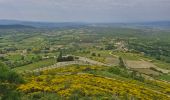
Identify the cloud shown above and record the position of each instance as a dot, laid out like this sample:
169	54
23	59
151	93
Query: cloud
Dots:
86	10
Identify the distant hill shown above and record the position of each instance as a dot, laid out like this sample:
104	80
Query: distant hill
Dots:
14	26
9	22
156	24
41	24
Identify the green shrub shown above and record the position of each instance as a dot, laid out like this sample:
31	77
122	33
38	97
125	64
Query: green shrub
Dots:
8	90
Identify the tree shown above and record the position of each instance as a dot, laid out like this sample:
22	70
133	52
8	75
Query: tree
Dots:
70	58
8	82
60	56
133	74
93	54
109	47
121	62
22	57
99	55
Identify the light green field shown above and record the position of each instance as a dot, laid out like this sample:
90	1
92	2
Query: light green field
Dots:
18	56
165	77
39	64
161	64
129	56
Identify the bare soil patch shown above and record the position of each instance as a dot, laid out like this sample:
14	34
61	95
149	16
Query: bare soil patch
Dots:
139	64
112	61
144	67
147	71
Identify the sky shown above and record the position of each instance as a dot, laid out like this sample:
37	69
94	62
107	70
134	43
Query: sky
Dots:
86	10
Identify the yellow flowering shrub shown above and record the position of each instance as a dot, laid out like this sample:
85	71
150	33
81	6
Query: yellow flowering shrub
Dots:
89	85
72	69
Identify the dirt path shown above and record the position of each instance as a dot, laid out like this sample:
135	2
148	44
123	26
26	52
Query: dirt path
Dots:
80	61
113	55
93	62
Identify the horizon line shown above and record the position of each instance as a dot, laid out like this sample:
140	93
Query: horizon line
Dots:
45	21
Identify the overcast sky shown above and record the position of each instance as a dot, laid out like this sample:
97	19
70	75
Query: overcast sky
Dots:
86	10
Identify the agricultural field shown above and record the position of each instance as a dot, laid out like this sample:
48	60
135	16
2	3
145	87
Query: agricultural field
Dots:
87	63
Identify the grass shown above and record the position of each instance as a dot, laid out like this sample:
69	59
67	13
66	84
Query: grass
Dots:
18	56
161	64
129	56
14	56
35	65
165	77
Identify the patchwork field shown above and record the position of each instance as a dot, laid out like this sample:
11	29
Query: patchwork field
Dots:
84	63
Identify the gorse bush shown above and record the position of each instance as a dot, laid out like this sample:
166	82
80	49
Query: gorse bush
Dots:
73	83
82	85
